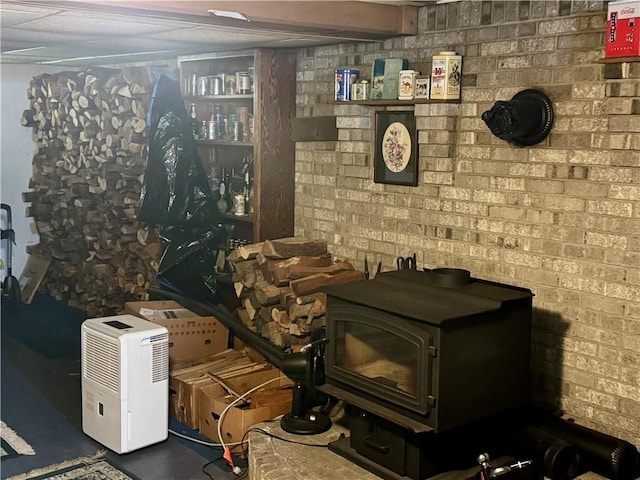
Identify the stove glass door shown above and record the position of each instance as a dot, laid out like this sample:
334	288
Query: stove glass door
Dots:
380	354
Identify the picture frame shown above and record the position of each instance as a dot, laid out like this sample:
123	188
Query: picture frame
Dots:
396	156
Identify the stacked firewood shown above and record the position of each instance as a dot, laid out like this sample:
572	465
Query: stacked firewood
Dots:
90	133
279	285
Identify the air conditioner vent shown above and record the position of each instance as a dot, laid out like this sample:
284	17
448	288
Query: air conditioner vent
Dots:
160	369
101	362
159	338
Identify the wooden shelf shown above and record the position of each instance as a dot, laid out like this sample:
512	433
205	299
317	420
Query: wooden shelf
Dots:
238	218
390	103
620	59
224	143
217	98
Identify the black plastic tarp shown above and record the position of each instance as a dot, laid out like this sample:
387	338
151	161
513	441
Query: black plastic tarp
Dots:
176	195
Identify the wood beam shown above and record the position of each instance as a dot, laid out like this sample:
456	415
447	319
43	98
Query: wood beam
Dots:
349	19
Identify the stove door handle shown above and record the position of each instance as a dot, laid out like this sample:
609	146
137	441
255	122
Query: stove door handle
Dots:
375	446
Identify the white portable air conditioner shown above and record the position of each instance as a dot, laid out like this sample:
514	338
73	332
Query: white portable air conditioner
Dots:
125	382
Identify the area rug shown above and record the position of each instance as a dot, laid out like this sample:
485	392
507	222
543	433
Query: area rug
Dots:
83	468
12	444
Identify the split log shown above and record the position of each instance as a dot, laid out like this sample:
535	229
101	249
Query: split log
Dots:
281	317
301	300
267	293
293	247
299	271
245	252
314	283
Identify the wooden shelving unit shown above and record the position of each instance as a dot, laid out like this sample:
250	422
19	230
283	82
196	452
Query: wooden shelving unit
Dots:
272	104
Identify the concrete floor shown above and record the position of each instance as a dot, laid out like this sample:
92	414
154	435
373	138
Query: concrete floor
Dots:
41	400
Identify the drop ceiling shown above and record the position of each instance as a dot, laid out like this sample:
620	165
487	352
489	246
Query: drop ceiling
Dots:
102	32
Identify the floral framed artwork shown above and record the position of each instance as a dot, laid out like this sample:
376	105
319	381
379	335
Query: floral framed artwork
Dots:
396	159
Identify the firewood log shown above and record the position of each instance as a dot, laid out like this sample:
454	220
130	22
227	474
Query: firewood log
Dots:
293	247
314	283
86	188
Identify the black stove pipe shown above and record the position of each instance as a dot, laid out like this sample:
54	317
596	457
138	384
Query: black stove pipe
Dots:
603	454
267	349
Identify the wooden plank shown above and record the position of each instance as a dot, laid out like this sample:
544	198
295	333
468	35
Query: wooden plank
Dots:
357	20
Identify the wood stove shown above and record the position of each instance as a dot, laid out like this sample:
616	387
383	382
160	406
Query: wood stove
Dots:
425	359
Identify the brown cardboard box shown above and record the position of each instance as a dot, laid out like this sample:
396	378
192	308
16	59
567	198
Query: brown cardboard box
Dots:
190	336
239	418
185	382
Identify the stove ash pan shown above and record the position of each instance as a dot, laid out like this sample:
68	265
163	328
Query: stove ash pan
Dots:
428	355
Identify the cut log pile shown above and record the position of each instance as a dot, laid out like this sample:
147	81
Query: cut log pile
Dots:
90	133
279	285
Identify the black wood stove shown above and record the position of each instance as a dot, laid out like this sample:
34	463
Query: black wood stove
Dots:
433	365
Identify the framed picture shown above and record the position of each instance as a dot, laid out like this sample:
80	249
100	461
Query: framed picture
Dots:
396	156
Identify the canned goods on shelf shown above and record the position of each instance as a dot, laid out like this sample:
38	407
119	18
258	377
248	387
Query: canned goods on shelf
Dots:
236	134
238	204
192	88
215	85
360	90
203	86
243	83
344	78
212	134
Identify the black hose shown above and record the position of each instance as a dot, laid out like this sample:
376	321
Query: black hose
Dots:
267	349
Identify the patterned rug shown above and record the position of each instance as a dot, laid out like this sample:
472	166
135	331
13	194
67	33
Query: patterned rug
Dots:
11	444
83	468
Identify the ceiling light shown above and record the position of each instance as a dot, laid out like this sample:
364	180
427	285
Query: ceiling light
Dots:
229	14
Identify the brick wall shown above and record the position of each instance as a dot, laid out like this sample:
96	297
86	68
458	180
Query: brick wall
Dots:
561	218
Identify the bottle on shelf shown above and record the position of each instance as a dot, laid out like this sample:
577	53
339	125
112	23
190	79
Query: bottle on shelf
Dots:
222	190
247	189
217	116
195	126
229	192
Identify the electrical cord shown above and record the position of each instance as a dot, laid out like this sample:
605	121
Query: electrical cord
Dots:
204	467
226	450
202	442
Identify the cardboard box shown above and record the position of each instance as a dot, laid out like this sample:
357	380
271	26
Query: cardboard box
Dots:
190	336
270	402
623	32
186	381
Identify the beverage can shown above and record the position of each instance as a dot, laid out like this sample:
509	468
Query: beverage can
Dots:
344	78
